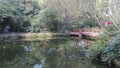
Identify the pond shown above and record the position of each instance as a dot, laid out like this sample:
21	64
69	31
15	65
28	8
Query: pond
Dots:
54	53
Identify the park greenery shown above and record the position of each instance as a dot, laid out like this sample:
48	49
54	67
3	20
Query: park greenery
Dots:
40	16
58	16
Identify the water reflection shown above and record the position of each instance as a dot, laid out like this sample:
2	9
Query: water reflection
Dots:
37	66
56	53
9	52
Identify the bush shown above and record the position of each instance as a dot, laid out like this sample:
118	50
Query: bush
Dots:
89	23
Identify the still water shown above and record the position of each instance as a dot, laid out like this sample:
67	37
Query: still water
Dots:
54	53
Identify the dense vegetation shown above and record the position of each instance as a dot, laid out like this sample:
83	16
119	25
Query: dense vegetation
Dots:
37	16
59	16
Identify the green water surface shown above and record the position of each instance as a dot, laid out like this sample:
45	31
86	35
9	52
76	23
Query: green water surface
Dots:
54	53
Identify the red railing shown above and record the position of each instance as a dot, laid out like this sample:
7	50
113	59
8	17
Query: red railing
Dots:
89	32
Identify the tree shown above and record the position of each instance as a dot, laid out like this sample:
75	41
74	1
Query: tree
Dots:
21	12
109	12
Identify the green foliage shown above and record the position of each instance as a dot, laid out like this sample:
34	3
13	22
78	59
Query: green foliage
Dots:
112	49
89	23
21	13
46	19
106	50
27	17
98	45
30	16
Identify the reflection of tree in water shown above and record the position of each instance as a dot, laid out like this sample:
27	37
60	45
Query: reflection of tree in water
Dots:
60	53
47	53
53	54
27	54
18	55
9	52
